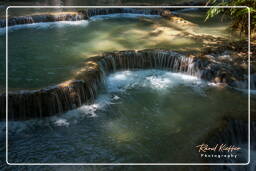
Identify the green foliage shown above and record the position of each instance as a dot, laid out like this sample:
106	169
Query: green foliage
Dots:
238	15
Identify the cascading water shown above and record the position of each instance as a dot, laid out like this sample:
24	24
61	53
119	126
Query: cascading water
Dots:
84	87
42	18
75	16
137	113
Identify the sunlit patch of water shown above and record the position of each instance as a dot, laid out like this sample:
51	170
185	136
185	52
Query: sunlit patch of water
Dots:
58	48
155	79
45	25
137	114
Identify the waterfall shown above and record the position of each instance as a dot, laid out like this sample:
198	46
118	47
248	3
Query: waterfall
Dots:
42	18
83	89
83	14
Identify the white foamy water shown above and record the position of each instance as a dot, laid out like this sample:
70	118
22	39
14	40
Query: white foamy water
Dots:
101	103
134	104
89	111
116	83
154	79
60	24
62	122
45	25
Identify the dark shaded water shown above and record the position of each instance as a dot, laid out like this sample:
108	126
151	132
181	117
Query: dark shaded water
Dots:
50	53
142	116
134	120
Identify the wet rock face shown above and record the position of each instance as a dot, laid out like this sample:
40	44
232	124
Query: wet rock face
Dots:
84	87
75	16
85	14
166	14
42	18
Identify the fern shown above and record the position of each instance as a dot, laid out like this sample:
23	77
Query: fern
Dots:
239	16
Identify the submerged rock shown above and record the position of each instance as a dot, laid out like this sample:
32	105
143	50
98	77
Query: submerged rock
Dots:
167	14
84	88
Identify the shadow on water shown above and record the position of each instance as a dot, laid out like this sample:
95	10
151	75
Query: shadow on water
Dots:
58	50
119	129
142	116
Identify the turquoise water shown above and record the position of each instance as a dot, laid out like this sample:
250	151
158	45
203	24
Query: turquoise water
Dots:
140	116
46	54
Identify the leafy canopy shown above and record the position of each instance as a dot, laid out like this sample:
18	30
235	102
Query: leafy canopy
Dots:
239	15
